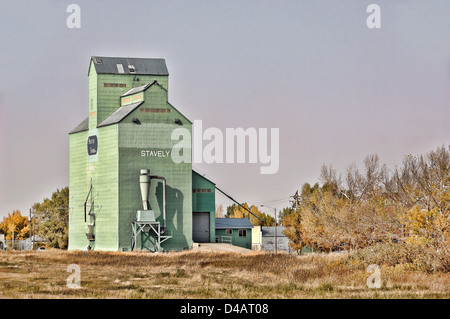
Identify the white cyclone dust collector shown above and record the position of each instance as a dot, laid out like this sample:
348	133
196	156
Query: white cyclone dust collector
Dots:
147	214
145	219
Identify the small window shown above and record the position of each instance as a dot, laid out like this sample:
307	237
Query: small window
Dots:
242	232
228	231
92	145
114	85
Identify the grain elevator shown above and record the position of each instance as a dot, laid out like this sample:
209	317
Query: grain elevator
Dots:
126	191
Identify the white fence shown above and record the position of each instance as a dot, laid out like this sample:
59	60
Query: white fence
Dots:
224	239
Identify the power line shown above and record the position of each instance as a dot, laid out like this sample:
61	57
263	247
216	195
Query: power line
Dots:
237	203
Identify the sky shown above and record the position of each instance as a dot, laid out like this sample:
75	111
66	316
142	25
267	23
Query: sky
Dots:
336	89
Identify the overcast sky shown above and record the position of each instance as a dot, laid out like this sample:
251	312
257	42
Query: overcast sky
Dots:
336	89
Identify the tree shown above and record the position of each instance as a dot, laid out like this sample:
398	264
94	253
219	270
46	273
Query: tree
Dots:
230	210
235	211
53	218
286	211
15	224
219	211
420	189
294	230
410	204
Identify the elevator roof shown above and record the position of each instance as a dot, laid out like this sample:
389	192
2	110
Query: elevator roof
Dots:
139	66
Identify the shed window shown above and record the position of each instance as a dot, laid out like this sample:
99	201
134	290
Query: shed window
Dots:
228	231
242	232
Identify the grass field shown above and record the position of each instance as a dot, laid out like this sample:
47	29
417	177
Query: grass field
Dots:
195	274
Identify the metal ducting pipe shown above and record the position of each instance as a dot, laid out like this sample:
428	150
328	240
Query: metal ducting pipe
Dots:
164	196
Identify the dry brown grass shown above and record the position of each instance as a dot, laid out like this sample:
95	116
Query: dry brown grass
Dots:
194	274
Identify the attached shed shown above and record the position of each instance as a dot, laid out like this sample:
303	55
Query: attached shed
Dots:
236	231
257	238
268	239
203	209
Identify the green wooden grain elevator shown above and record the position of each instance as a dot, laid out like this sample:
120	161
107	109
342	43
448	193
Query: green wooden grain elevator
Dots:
126	191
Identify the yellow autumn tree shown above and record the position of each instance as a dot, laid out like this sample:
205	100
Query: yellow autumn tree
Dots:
15	224
294	231
239	212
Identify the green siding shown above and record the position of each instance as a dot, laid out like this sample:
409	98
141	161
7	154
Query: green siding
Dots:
104	177
104	174
114	170
78	187
133	139
115	179
245	242
108	98
103	101
204	201
155	98
92	97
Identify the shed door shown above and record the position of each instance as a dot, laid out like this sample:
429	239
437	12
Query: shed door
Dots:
200	227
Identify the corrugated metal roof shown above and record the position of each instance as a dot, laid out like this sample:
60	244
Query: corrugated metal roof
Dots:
233	223
137	89
142	88
269	231
120	114
83	126
142	66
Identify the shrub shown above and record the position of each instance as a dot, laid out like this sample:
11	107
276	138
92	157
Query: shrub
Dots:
416	257
443	258
325	287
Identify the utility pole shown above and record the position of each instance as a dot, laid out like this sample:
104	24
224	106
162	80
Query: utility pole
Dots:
276	247
13	234
296	200
275	211
34	229
30	224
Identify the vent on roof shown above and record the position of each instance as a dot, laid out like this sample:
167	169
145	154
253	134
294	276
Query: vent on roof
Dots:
132	68
97	60
120	68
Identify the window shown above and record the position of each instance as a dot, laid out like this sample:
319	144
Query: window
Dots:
242	232
149	110
114	85
228	231
92	145
201	190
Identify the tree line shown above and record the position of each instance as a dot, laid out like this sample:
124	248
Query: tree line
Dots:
49	220
355	209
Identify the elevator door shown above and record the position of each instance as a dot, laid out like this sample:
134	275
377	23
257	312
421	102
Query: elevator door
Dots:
200	227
